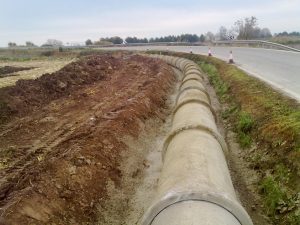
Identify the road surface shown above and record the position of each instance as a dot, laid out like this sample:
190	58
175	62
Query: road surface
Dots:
279	68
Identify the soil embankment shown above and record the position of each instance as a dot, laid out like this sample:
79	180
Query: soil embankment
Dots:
63	136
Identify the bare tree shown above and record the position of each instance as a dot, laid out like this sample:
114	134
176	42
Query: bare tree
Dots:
223	33
53	42
209	36
202	38
12	44
246	28
88	42
265	33
29	44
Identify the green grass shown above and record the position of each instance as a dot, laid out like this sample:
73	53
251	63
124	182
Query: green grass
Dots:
22	55
273	193
282	204
244	126
244	123
220	87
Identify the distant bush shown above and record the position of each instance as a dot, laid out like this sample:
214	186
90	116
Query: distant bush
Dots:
285	40
30	44
88	42
48	53
114	40
12	44
102	43
136	40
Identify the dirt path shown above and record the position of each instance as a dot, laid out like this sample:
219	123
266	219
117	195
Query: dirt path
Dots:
60	152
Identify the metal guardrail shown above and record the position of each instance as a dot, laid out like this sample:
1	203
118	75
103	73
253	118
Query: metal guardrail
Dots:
258	42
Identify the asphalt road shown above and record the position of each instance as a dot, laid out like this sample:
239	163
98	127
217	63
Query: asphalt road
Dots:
279	68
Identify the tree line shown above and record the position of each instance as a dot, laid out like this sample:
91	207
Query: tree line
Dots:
291	34
243	29
48	43
170	38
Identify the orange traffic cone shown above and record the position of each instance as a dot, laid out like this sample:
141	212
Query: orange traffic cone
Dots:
230	57
209	52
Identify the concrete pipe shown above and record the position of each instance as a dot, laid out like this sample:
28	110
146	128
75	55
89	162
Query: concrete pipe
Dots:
173	61
186	117
178	63
182	64
193	76
191	83
190	69
195	185
192	94
193	89
195	170
169	59
191	212
191	66
164	57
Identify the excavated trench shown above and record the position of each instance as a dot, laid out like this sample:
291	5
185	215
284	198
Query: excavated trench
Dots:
73	138
176	171
141	167
144	183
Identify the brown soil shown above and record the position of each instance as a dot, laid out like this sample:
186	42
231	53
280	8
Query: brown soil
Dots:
10	70
62	142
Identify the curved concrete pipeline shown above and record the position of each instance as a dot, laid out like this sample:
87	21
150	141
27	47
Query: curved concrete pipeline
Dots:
195	185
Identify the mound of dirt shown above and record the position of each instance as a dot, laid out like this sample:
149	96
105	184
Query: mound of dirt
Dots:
10	70
58	157
28	95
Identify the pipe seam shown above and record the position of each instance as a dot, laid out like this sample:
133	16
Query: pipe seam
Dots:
212	197
201	102
204	128
190	88
189	79
194	72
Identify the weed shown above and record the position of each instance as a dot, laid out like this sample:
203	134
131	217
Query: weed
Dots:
245	123
220	87
273	194
229	112
245	140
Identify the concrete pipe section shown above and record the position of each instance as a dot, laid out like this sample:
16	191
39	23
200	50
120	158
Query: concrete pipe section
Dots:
195	187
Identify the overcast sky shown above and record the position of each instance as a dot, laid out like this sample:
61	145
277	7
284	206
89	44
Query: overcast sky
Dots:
78	20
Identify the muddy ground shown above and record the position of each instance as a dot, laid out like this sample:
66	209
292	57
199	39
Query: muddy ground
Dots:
64	135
